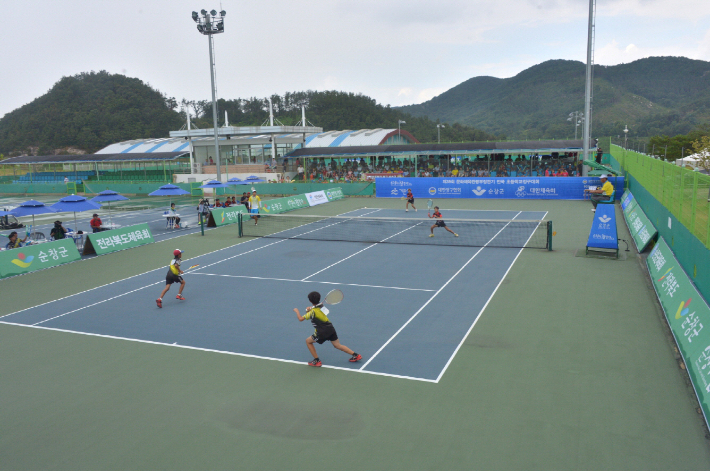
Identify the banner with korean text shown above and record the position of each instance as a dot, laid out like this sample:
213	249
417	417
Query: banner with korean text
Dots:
282	205
37	256
334	194
316	198
603	233
563	188
128	237
640	227
688	316
223	216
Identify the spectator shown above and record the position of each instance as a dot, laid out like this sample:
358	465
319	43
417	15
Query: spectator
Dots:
66	180
96	223
300	172
14	242
234	201
245	200
58	231
211	162
173	213
203	209
227	203
217	204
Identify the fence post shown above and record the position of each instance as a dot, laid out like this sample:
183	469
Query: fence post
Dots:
680	198
693	204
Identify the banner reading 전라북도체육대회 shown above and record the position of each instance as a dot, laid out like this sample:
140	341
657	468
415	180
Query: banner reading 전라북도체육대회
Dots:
128	237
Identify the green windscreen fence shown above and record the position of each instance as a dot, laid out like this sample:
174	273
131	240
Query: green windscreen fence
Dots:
682	191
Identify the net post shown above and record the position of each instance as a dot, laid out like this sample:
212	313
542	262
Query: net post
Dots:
239	225
549	236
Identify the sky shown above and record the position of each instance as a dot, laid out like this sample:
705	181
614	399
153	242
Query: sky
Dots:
397	52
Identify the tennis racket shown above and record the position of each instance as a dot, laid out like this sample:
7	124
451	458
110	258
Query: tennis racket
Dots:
429	205
334	297
194	266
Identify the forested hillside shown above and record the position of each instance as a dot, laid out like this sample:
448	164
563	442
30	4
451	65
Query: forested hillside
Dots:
332	110
89	111
657	95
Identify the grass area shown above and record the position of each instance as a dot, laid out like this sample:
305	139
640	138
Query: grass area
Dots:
570	367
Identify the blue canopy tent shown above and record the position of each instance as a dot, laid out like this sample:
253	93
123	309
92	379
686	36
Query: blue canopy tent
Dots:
236	181
30	208
74	203
108	196
169	190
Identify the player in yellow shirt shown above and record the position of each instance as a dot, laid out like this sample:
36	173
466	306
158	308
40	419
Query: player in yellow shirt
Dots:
254	205
325	332
173	276
601	194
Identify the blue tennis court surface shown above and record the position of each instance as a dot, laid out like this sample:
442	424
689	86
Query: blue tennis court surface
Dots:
407	308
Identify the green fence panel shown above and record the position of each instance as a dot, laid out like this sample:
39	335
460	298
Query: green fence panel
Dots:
348	189
641	228
104	242
223	216
37	257
688	316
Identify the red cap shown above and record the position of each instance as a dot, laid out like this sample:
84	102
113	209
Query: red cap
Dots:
177	252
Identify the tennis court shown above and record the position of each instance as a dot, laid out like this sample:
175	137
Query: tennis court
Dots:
401	296
570	364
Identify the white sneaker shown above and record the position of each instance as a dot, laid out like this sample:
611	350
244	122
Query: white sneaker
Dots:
415	210
406	210
594	210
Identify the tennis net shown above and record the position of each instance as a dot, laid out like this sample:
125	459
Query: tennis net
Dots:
471	232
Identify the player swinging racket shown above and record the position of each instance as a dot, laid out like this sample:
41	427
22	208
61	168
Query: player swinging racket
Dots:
439	222
410	200
324	330
173	276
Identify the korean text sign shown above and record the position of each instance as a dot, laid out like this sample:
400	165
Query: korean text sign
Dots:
37	256
118	239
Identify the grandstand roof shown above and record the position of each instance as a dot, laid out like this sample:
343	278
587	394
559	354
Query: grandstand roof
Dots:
513	147
362	137
90	158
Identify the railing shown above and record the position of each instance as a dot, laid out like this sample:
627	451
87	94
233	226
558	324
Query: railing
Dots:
685	192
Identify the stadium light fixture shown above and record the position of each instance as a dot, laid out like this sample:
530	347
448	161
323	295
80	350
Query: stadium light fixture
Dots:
209	26
399	129
626	134
438	132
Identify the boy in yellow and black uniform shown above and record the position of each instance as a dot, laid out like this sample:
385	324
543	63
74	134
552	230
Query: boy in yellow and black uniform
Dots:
173	276
324	330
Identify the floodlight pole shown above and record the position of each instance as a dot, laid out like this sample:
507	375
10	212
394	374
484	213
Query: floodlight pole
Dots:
438	132
209	24
588	83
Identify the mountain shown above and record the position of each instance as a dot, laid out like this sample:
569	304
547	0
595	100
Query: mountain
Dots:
332	110
656	95
88	111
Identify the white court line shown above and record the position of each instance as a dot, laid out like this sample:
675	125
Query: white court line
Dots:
245	355
360	251
435	295
451	358
133	276
313	281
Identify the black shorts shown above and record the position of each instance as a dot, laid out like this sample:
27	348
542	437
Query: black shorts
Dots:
172	278
440	223
410	200
326	336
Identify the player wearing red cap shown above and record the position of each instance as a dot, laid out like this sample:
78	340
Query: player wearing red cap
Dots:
173	276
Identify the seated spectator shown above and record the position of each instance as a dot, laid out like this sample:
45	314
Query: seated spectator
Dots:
15	242
58	231
173	213
96	224
234	201
227	203
217	204
245	200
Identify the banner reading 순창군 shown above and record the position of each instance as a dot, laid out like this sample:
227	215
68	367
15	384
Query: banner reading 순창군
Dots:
316	197
37	256
562	188
688	317
640	227
223	216
104	242
334	194
282	205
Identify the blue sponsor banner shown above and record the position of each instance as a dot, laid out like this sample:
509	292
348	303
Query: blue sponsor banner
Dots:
559	188
603	234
